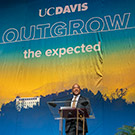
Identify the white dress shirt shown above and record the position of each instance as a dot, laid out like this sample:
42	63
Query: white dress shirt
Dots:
77	98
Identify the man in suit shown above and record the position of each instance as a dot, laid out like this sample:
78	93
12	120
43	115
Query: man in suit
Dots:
77	101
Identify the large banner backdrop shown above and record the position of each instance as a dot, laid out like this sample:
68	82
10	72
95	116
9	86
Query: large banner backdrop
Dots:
46	46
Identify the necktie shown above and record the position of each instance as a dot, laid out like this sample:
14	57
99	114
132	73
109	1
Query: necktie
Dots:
74	102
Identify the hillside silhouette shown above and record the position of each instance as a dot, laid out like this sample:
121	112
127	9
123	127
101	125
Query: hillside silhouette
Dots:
110	114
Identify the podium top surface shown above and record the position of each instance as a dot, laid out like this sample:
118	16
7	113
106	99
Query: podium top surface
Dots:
64	107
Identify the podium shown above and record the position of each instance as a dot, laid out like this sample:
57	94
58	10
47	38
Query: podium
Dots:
62	111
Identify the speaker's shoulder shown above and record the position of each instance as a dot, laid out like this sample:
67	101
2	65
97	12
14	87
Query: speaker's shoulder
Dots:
83	98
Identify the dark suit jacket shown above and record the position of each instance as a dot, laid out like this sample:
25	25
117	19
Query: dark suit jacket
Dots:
69	123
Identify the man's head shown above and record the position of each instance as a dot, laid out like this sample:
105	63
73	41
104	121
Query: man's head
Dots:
76	89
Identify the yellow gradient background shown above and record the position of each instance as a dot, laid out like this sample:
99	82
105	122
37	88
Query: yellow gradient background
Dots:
40	77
